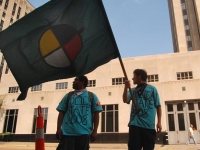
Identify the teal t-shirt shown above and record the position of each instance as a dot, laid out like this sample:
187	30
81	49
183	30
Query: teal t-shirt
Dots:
147	102
78	117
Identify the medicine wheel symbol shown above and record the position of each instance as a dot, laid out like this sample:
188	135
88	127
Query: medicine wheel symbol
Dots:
60	45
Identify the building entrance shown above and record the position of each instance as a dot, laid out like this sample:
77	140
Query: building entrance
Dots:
179	117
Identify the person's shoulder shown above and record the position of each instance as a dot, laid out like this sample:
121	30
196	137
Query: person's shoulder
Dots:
151	86
133	88
89	93
94	95
66	95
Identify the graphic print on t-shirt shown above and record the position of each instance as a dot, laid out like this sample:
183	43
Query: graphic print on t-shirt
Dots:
145	102
79	110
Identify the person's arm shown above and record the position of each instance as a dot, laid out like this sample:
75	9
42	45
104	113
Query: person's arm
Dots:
159	114
95	124
59	124
190	129
125	95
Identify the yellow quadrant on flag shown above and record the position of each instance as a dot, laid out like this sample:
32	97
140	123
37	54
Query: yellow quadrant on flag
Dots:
48	43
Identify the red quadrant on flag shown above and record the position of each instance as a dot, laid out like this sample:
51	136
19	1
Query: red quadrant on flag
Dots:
73	47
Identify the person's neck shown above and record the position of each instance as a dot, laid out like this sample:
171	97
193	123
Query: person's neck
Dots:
141	83
79	90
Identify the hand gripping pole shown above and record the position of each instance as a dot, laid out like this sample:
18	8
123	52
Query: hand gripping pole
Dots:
39	141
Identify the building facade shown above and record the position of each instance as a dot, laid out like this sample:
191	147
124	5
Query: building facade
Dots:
176	76
10	12
185	25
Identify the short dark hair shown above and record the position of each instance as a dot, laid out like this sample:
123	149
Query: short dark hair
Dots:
83	79
142	73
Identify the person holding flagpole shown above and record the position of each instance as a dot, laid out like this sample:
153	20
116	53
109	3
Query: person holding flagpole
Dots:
142	132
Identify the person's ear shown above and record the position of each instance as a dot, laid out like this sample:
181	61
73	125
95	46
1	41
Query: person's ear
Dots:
140	77
82	83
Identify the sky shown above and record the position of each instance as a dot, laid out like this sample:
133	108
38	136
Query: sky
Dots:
140	27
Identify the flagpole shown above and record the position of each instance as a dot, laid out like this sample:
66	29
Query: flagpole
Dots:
119	56
126	77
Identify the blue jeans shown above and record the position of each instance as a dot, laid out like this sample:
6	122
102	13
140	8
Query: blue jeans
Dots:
191	137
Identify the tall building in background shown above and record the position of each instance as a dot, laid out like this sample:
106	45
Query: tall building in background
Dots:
185	25
11	11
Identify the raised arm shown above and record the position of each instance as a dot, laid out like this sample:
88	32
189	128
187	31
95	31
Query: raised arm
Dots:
126	86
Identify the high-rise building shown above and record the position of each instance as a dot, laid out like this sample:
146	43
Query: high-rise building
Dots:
185	25
11	11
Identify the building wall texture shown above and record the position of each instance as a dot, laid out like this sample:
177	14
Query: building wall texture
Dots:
170	89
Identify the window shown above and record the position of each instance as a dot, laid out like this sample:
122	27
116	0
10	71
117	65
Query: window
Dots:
6	4
13	89
1	24
152	78
1	66
109	118
11	20
170	107
189	43
36	88
116	81
187	32
186	22
44	114
10	120
18	13
4	14
7	69
14	8
190	48
188	38
179	106
62	85
184	75
182	1
91	83
171	122
183	88
181	122
185	17
183	6
187	27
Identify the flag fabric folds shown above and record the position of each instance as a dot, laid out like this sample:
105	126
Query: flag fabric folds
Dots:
61	39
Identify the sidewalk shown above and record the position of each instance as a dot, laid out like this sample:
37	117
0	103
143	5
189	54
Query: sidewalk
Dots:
94	146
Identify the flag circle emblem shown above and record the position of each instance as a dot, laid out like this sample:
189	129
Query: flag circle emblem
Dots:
59	45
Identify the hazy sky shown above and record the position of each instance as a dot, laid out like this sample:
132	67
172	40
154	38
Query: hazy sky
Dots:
140	27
